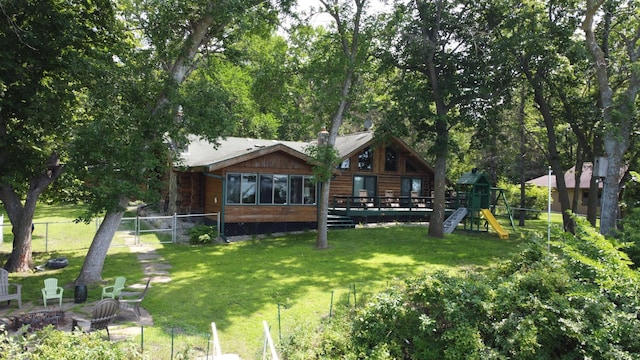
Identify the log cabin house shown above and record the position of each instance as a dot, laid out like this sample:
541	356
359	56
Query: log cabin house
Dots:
266	186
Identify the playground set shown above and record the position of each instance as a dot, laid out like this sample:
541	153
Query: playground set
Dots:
477	201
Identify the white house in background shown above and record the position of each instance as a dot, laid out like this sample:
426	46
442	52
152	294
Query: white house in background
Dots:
582	188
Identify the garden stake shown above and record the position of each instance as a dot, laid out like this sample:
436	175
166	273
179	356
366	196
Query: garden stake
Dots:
349	297
208	341
331	305
279	326
142	338
172	343
354	295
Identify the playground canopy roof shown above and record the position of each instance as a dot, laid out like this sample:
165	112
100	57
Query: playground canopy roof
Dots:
472	178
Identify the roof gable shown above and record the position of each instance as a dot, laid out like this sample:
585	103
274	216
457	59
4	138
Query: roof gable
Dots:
233	150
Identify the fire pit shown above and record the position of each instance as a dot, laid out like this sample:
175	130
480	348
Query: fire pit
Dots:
37	319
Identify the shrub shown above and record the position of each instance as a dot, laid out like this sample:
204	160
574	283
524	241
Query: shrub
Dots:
630	236
536	198
576	300
50	343
203	234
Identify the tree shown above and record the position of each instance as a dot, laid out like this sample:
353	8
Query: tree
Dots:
347	22
50	60
447	70
617	67
540	40
179	37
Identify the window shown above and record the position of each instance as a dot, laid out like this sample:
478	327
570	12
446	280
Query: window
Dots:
241	188
273	189
409	185
301	190
345	164
390	160
364	182
365	159
278	189
585	197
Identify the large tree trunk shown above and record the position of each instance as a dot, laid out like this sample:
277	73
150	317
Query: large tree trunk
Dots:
91	271
617	117
21	217
322	241
436	221
552	144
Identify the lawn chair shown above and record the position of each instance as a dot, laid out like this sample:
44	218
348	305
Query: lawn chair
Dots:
133	304
113	291
5	289
364	198
51	290
390	200
103	313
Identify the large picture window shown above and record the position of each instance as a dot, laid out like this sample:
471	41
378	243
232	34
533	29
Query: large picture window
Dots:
273	189
270	189
302	190
241	188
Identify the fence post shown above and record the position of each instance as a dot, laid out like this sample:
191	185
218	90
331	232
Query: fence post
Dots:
174	232
136	227
46	237
1	228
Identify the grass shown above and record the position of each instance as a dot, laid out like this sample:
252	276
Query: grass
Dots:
281	279
240	284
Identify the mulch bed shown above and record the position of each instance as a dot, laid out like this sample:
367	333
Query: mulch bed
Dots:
36	320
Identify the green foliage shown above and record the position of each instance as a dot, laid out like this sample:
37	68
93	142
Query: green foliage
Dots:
631	195
630	236
325	158
536	197
577	301
201	235
50	343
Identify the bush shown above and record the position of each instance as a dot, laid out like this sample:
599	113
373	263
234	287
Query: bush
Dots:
630	236
202	235
536	198
577	301
50	343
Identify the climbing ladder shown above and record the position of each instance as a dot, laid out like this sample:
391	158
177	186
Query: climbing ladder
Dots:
454	219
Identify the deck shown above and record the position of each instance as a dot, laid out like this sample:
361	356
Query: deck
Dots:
381	208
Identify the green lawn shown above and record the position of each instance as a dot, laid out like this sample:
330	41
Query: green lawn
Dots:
281	279
240	284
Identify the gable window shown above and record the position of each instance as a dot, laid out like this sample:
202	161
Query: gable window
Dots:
302	190
273	189
390	159
365	159
241	188
345	164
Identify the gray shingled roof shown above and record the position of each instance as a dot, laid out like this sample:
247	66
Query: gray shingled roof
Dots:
203	153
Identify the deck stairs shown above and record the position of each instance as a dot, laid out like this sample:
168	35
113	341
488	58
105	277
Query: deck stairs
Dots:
454	219
339	222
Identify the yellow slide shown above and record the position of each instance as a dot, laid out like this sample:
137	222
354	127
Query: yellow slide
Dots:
494	223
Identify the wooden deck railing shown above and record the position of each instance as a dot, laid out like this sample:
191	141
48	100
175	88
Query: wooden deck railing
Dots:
388	203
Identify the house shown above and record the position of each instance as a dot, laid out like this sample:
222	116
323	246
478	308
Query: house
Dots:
264	186
581	189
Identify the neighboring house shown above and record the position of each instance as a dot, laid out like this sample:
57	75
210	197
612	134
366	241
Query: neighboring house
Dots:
581	189
263	186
